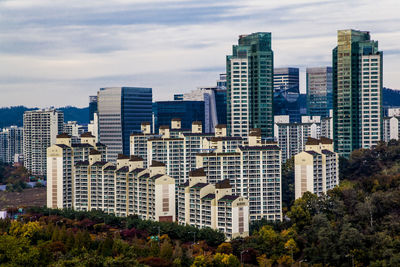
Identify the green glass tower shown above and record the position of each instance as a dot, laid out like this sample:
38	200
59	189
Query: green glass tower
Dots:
357	92
250	85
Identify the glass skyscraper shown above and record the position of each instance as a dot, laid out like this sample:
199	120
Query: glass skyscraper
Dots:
250	85
121	111
357	92
187	111
319	91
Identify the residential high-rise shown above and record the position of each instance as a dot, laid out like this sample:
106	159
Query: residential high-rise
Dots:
319	91
11	144
316	168
357	92
40	130
249	76
391	125
121	110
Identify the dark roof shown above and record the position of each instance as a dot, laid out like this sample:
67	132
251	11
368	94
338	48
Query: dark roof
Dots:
145	175
228	198
99	163
94	152
110	168
80	163
155	163
325	140
220	126
164	127
100	144
156	176
324	151
312	141
135	158
180	130
209	197
81	145
145	123
87	134
162	139
122	156
312	152
63	135
263	147
176	119
223	184
123	169
197	173
197	123
62	146
137	170
199	185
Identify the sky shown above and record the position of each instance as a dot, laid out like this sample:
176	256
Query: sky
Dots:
58	52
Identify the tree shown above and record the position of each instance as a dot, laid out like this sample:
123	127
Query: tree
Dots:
225	248
166	250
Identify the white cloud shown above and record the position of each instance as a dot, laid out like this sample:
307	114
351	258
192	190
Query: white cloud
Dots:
59	52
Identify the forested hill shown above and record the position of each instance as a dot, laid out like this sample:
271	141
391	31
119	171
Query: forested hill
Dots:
391	98
14	115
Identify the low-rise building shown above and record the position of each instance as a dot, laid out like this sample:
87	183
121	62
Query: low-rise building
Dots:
316	168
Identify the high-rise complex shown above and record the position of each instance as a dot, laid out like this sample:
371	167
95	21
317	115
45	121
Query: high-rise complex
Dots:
121	111
319	91
391	125
40	130
357	92
316	168
11	144
249	76
286	79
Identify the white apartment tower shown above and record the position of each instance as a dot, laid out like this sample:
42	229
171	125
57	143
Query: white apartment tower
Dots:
40	130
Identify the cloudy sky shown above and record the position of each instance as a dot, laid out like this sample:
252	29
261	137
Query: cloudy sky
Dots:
58	52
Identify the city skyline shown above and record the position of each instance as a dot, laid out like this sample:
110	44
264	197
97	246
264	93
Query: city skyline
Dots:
172	48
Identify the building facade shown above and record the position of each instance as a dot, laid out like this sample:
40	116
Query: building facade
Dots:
319	91
316	168
357	92
250	85
202	204
41	128
11	144
121	111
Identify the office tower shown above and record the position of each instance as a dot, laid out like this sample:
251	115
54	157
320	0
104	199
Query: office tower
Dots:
221	82
40	130
286	79
11	144
186	111
287	100
62	157
327	126
316	168
249	76
215	206
92	106
121	110
319	91
357	92
292	137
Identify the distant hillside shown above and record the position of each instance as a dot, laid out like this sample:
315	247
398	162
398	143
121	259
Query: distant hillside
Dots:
391	98
14	115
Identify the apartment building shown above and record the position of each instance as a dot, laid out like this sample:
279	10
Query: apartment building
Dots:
316	168
202	204
254	171
41	128
11	144
62	158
